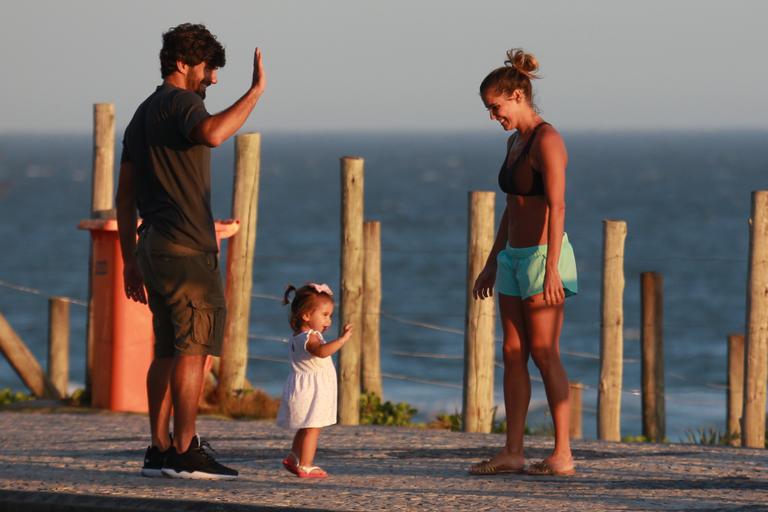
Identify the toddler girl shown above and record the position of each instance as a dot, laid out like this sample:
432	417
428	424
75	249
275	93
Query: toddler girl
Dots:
309	395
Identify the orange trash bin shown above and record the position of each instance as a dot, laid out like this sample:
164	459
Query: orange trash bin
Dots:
123	340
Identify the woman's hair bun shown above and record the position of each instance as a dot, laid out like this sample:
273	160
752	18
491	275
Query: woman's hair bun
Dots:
524	63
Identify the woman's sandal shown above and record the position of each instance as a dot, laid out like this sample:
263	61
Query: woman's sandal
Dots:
486	467
543	468
291	463
310	472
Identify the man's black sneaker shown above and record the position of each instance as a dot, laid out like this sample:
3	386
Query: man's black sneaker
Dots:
154	460
196	463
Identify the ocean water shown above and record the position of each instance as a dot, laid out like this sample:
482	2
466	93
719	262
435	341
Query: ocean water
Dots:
685	197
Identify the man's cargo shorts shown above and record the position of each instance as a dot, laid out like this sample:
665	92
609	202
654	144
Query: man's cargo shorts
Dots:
185	296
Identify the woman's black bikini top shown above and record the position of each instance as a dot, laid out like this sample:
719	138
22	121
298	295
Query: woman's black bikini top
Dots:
519	177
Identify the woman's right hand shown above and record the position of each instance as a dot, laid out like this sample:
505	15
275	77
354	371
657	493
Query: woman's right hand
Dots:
484	283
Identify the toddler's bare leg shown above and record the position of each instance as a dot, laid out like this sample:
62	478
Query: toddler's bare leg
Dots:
308	446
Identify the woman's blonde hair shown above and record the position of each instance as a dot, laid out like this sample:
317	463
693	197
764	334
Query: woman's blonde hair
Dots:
519	69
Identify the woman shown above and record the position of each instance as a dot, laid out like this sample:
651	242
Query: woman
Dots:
531	264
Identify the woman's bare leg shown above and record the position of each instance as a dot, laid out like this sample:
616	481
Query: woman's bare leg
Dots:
517	382
543	324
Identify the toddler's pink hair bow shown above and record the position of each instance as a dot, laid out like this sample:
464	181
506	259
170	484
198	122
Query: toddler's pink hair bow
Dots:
321	288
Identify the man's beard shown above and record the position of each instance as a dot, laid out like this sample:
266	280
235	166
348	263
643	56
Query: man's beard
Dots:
200	89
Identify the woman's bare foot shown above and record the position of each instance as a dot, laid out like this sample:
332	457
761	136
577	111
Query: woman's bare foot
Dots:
513	460
554	465
502	462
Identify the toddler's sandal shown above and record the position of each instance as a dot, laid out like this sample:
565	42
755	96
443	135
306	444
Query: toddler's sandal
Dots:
310	472
291	463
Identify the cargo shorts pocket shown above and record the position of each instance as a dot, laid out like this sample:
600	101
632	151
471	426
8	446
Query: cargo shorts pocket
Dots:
208	319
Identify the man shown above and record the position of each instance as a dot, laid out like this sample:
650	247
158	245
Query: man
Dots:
165	174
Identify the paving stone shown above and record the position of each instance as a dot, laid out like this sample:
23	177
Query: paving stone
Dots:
91	461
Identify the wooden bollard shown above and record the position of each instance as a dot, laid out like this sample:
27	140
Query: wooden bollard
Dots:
24	363
756	343
351	287
102	191
240	252
574	397
735	397
652	356
477	407
611	332
58	343
102	205
371	335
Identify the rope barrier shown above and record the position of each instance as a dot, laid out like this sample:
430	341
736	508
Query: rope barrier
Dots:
425	325
35	291
451	385
269	359
460	252
397	376
266	296
394	376
426	355
268	338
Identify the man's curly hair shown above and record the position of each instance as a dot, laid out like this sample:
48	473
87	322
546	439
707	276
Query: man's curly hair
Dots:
191	44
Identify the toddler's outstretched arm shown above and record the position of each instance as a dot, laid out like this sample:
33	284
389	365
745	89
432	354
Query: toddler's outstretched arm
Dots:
319	349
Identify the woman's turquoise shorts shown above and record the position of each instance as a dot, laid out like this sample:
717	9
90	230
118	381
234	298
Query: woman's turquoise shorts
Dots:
520	270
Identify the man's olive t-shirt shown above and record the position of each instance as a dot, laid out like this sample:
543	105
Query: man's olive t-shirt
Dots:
172	172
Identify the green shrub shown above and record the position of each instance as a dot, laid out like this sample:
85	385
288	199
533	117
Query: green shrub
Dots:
541	429
710	436
455	422
248	403
451	422
8	396
498	427
373	412
635	439
79	398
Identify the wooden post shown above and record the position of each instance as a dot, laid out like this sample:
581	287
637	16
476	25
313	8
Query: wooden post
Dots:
102	205
58	343
756	346
102	192
574	396
239	281
477	407
652	369
735	397
351	287
23	362
371	334
611	332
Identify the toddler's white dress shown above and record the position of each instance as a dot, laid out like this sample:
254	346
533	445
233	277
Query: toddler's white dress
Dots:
309	394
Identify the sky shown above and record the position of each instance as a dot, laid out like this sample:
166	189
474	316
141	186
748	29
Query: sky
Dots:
397	65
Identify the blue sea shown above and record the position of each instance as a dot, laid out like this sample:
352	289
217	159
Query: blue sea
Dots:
685	198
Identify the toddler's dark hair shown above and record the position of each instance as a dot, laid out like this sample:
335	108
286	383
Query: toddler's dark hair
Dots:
305	300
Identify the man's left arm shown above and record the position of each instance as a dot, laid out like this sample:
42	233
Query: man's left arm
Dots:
126	227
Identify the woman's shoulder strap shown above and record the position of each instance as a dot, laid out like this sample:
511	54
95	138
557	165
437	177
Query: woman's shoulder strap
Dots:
536	129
